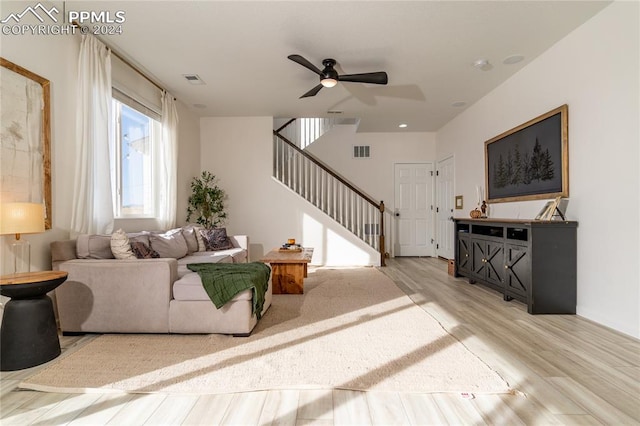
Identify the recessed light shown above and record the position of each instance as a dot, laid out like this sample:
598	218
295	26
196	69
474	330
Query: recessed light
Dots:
482	64
199	106
513	59
458	104
402	125
333	111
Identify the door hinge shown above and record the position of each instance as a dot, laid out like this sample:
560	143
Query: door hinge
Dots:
437	246
431	173
437	172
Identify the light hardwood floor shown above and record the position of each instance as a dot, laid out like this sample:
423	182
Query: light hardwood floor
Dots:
568	370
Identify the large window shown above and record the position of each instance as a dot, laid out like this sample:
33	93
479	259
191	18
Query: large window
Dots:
135	140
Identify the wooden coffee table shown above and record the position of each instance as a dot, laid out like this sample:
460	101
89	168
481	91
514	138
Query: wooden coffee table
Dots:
288	269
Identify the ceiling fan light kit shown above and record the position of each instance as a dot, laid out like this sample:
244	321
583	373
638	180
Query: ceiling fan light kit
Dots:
329	77
328	82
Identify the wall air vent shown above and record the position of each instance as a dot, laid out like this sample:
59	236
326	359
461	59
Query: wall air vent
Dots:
193	78
361	151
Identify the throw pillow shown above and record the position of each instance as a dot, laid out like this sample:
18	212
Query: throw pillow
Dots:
94	246
142	237
201	245
143	251
216	239
169	244
189	234
120	245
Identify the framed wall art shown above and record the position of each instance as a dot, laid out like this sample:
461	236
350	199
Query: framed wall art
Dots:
459	202
531	161
25	137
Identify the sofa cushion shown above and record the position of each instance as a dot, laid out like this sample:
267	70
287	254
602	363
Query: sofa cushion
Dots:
238	254
94	247
120	246
216	239
201	257
169	244
189	233
143	251
142	237
190	287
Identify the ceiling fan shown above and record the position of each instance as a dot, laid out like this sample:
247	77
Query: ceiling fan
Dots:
329	76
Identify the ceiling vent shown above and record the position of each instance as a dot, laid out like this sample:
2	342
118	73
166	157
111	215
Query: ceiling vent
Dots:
193	78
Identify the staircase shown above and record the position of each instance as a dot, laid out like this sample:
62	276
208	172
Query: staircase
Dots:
323	187
302	132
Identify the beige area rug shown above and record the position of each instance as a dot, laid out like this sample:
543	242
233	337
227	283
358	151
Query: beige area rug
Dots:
352	329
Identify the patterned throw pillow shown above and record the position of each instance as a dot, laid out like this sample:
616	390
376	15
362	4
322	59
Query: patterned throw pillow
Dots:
216	239
120	245
201	245
143	251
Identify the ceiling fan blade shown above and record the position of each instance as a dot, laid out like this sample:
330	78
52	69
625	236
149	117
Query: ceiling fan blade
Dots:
312	92
302	61
369	77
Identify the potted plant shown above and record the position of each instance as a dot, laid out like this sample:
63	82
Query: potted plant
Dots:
206	202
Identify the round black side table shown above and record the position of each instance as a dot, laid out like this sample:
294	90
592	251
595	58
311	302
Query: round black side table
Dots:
29	335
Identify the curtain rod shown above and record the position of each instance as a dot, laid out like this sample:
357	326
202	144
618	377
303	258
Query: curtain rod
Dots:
133	67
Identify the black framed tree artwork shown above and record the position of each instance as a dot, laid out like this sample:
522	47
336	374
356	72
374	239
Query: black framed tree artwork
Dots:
531	161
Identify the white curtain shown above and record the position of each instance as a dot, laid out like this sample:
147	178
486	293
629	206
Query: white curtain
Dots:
167	178
92	208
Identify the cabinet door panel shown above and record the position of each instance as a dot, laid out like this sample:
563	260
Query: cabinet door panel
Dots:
517	270
494	263
478	257
464	255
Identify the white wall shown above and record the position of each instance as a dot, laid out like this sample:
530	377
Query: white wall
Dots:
375	175
238	150
595	70
55	58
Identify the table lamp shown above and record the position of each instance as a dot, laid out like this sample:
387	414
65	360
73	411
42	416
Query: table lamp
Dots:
21	218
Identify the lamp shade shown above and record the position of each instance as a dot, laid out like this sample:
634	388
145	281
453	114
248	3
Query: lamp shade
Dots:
21	218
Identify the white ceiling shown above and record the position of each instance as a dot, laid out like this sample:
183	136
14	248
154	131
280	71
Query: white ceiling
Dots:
240	50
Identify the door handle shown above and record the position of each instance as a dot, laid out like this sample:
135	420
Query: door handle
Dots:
397	214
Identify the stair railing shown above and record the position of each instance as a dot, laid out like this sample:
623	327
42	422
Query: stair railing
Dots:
327	190
302	132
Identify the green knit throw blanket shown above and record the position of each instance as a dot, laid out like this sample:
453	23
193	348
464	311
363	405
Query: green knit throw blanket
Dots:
223	281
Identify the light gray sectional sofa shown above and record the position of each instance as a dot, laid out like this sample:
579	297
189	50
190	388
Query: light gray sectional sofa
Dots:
155	295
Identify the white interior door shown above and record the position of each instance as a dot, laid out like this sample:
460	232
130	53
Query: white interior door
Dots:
413	209
444	208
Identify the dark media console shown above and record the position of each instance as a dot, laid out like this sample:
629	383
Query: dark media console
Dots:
527	260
